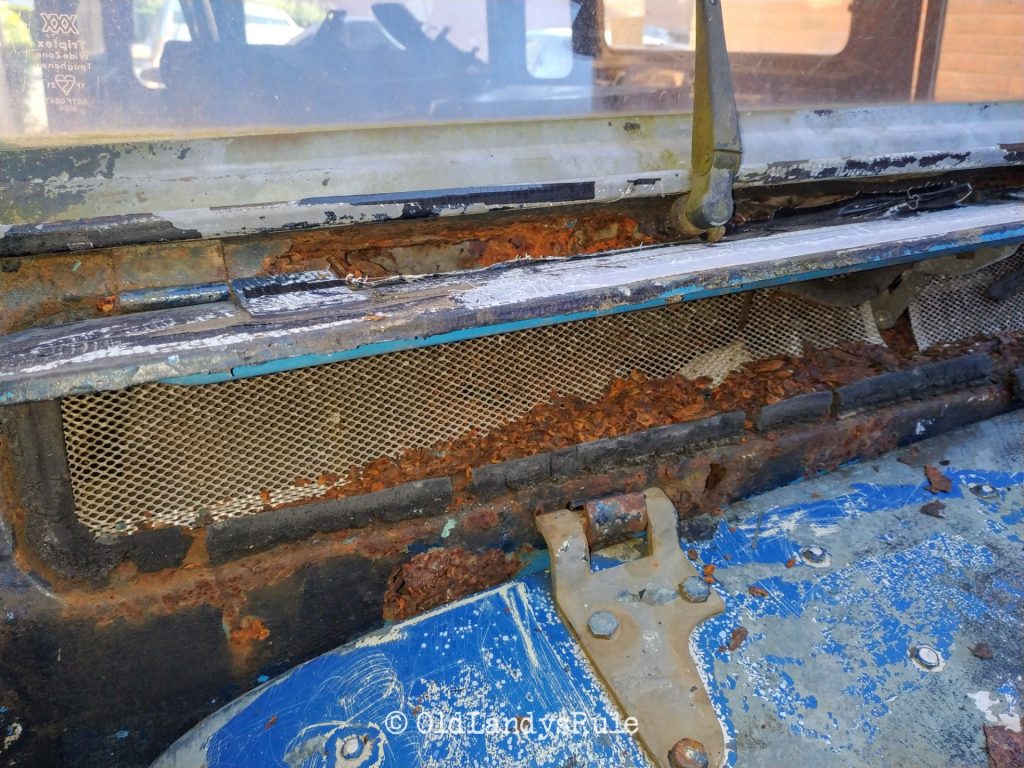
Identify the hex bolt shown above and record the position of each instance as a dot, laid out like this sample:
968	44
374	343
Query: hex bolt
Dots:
688	753
695	589
814	555
603	624
926	656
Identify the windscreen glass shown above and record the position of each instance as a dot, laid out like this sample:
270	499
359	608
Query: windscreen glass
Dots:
810	27
77	71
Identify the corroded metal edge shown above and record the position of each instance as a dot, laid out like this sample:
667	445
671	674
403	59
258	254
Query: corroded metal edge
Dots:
217	342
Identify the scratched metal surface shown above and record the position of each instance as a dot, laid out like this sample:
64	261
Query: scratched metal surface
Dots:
825	676
315	325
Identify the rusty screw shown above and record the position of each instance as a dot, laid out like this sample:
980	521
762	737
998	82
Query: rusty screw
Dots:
688	753
603	624
695	589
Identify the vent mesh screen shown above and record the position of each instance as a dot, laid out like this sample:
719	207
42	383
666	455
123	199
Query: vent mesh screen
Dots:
953	308
162	454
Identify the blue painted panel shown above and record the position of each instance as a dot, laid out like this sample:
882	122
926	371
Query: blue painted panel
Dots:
824	676
492	681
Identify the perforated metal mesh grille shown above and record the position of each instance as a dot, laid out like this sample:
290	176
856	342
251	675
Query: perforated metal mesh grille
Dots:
953	308
189	455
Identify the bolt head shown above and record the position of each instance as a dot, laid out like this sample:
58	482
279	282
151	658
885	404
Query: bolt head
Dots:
695	589
814	555
926	656
603	624
688	753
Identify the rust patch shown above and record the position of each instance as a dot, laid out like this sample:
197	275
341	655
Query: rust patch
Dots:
449	244
982	651
1005	747
937	481
227	586
440	576
249	629
736	639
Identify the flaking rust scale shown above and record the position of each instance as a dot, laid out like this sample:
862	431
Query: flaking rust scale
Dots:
938	482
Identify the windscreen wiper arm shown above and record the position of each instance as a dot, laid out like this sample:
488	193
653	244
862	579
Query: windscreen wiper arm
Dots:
716	149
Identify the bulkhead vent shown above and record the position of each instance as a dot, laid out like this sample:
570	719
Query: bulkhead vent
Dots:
172	455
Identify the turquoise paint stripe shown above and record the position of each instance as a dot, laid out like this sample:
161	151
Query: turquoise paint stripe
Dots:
397	345
685	293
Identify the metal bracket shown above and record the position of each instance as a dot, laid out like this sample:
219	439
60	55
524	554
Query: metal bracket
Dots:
634	623
715	147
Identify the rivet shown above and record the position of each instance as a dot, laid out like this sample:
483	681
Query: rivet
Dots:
926	656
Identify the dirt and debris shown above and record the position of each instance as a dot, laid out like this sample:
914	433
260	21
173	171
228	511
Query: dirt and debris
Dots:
763	382
933	509
630	404
982	651
440	576
1005	746
637	402
910	457
452	244
938	482
736	639
756	591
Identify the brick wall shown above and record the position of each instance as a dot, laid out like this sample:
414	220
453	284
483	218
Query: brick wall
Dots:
787	26
982	51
